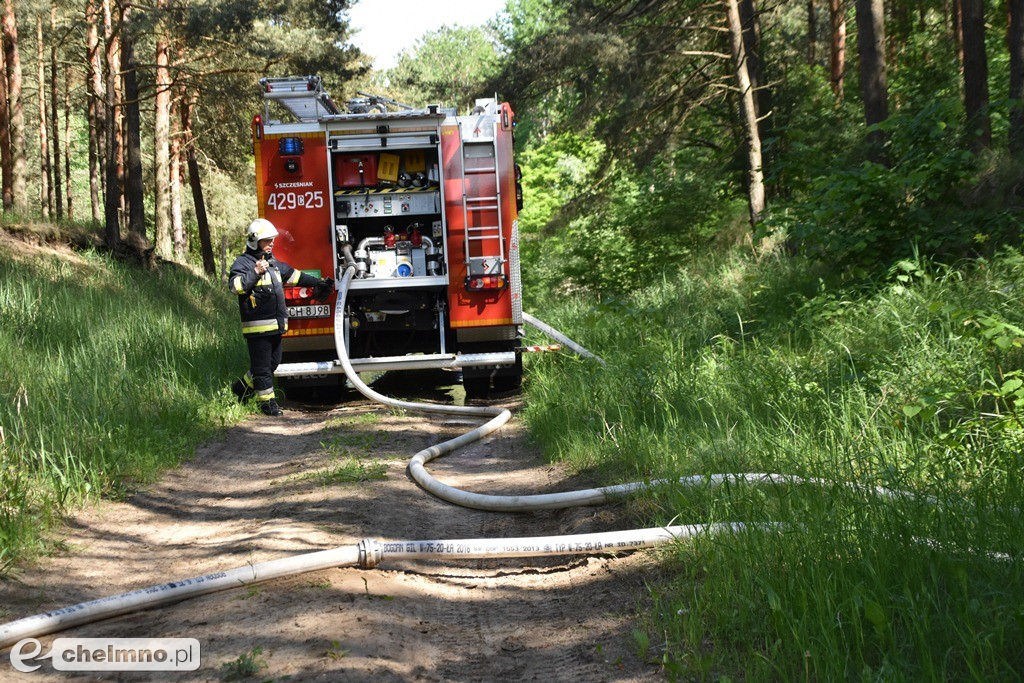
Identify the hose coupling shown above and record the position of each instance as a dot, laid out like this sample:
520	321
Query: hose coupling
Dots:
370	553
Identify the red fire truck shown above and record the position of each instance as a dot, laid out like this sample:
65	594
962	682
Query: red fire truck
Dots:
423	203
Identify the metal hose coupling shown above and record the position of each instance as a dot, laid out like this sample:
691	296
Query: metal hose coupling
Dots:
370	553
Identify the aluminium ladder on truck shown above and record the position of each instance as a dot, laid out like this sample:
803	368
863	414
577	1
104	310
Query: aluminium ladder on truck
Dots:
481	202
304	97
308	101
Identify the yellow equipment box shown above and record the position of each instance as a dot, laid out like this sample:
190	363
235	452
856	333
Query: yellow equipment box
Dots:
414	161
387	169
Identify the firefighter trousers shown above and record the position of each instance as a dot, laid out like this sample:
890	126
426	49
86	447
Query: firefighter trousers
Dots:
264	357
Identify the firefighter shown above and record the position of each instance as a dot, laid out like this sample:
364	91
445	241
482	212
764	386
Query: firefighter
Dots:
259	281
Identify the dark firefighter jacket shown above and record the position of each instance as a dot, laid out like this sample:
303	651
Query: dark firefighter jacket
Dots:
261	299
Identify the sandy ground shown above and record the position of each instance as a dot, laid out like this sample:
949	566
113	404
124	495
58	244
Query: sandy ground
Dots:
251	496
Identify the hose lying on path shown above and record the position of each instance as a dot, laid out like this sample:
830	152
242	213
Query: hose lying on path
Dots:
498	417
368	553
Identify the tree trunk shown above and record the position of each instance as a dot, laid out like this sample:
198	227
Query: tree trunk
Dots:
958	31
161	145
205	244
133	142
112	200
874	85
94	93
67	144
53	111
112	42
979	125
751	24
177	223
45	171
748	114
5	133
19	165
837	46
897	31
1015	41
181	245
812	32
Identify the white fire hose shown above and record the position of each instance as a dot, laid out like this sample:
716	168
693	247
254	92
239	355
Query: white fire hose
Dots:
555	334
368	553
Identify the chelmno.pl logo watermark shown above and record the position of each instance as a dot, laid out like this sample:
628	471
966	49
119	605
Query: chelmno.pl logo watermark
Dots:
109	654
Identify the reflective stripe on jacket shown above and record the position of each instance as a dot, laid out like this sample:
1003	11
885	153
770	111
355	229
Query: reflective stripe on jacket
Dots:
261	298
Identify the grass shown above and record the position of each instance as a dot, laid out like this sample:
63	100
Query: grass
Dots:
250	592
348	471
347	436
108	374
745	365
335	651
318	583
246	665
345	444
362	419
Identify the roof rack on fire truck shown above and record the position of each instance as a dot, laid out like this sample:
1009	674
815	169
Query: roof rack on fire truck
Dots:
306	99
367	102
303	96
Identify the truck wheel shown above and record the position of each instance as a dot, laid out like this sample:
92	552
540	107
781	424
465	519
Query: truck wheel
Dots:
476	387
510	380
332	393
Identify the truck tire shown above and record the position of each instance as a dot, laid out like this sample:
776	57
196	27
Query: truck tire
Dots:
477	387
509	380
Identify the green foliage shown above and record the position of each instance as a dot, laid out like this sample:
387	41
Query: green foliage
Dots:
602	69
230	207
348	471
737	364
927	70
108	374
988	403
864	215
450	65
289	36
810	135
633	228
335	651
522	22
246	665
555	172
345	421
631	74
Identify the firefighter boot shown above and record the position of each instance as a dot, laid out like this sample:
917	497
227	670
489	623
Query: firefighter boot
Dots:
241	390
271	408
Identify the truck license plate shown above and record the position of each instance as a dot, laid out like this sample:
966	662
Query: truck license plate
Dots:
312	311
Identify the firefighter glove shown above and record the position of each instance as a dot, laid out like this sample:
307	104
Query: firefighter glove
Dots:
323	289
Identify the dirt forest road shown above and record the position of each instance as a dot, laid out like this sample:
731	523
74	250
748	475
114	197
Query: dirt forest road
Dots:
268	489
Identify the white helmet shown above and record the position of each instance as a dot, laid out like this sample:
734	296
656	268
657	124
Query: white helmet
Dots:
259	229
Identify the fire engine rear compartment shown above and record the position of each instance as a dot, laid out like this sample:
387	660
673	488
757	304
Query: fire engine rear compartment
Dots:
395	235
422	205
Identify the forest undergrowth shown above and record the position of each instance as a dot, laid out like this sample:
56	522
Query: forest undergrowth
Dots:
109	374
759	363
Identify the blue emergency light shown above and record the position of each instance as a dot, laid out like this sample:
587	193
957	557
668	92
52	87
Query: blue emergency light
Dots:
290	147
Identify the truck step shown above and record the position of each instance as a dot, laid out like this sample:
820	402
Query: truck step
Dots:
422	362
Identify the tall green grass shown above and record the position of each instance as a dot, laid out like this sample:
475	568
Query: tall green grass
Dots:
108	373
745	365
